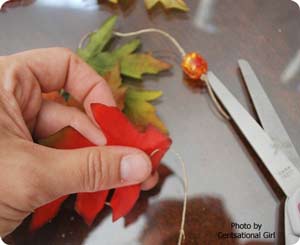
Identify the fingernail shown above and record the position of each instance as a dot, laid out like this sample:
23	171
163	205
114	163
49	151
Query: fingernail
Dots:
135	168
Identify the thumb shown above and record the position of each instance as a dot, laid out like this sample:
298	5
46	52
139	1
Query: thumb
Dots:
94	168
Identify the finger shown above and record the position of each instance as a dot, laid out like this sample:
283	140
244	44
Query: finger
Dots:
54	116
6	226
150	182
12	213
93	169
56	68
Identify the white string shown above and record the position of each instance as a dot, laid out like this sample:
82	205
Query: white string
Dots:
185	185
83	39
179	48
170	37
135	33
214	99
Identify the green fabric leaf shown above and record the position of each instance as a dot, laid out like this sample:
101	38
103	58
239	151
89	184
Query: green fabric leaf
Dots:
114	80
177	4
98	40
105	61
140	111
127	48
135	65
123	61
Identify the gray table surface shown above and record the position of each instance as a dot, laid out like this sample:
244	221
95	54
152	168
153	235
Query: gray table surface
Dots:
227	182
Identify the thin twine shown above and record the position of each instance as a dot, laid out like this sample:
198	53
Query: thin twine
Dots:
213	97
185	190
171	38
185	185
181	51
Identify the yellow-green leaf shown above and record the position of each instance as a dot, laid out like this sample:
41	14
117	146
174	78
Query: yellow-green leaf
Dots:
140	111
127	48
177	4
135	65
98	40
103	62
114	80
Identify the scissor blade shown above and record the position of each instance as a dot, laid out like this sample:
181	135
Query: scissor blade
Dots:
290	237
282	169
267	114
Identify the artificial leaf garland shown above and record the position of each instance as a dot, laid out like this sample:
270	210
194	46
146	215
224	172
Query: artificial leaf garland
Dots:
195	67
118	131
116	127
130	65
137	108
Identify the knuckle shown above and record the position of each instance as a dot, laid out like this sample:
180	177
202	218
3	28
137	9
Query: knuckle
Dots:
34	194
32	190
12	211
64	50
31	194
94	171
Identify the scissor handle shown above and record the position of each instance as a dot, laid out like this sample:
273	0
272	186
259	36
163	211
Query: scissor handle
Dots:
292	213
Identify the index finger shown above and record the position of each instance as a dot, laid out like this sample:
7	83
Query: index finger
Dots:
56	68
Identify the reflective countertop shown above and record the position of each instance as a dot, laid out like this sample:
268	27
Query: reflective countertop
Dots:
228	184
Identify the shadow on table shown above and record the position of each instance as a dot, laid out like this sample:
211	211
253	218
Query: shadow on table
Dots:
206	217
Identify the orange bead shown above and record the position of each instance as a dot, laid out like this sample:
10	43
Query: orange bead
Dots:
194	66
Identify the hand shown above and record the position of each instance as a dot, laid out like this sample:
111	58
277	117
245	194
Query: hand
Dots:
32	175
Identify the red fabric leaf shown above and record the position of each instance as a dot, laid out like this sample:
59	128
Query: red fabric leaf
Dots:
118	131
88	205
123	200
45	213
141	205
67	138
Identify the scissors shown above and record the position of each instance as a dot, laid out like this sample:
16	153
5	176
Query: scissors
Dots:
269	140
